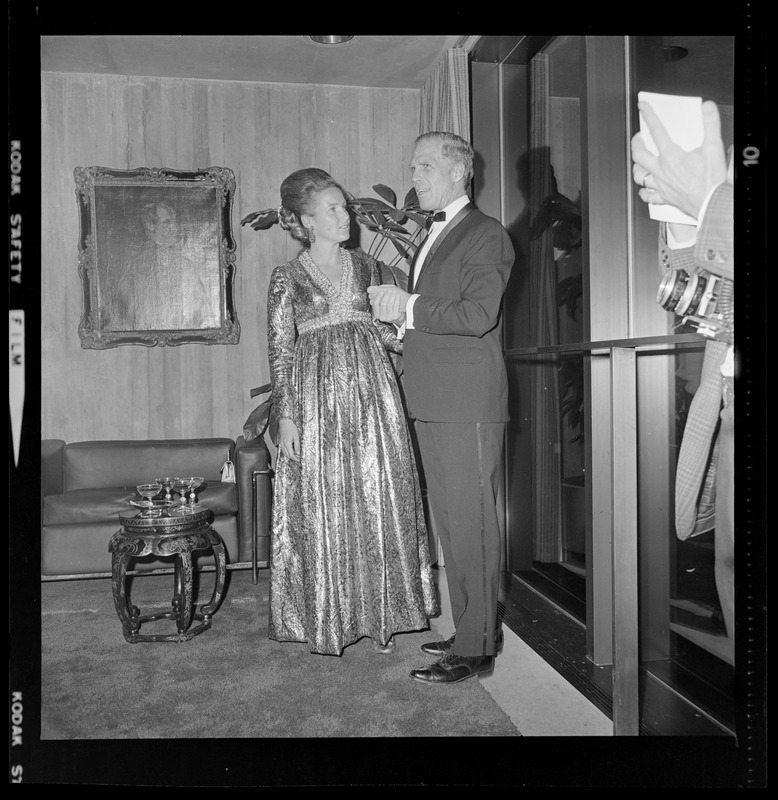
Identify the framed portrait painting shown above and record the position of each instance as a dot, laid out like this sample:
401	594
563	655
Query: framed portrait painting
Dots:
156	257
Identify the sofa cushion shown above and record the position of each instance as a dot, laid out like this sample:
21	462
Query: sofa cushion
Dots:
87	505
98	505
102	464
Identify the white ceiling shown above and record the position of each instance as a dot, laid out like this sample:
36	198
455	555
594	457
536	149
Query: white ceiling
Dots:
376	61
372	61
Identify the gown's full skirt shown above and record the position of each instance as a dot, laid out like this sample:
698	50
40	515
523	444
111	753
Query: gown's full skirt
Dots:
349	553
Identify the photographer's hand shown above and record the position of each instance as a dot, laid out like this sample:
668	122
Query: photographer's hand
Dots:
677	177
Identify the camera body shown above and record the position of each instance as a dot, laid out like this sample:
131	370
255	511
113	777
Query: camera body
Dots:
703	299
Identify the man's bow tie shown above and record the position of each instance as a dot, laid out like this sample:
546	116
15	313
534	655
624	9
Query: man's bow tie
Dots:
438	216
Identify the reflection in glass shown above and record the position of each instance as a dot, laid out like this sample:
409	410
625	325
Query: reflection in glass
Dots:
547	484
546	441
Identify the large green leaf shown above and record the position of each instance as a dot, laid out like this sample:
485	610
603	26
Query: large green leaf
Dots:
261	220
420	219
398	215
411	200
380	216
385	192
369	203
380	212
266	387
401	245
393	274
393	226
257	421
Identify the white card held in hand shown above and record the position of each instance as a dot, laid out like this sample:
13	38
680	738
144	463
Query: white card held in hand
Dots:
682	119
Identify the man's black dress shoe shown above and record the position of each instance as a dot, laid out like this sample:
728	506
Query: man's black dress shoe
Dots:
453	668
439	648
443	646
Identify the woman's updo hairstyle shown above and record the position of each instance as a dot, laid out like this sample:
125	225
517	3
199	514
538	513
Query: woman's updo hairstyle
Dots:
297	195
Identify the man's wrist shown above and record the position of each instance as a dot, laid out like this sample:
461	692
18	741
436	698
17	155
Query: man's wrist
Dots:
706	203
680	236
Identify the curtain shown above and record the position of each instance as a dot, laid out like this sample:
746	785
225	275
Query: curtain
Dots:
544	399
445	97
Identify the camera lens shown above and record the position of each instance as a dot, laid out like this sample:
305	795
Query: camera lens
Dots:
671	289
690	299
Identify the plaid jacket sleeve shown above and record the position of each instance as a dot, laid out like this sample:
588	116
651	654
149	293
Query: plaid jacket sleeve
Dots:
696	469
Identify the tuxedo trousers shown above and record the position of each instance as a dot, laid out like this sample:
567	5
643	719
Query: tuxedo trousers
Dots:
462	464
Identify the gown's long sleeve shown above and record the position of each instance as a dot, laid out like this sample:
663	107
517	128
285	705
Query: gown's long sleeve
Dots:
281	335
386	332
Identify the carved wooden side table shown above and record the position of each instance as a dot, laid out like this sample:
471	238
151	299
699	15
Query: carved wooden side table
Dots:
177	536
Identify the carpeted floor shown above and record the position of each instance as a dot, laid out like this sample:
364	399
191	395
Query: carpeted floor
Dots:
232	681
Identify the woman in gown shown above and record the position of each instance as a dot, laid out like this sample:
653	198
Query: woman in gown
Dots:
349	549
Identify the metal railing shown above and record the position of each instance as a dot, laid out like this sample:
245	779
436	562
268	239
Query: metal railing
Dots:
624	508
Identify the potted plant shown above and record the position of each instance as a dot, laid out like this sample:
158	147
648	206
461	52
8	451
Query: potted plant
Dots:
386	221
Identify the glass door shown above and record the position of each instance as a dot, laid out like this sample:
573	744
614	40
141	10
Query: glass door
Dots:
546	308
684	641
587	276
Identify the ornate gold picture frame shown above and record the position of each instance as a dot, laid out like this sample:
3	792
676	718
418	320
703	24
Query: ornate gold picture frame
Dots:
156	257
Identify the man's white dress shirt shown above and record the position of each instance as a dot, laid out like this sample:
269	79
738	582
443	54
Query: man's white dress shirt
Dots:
452	209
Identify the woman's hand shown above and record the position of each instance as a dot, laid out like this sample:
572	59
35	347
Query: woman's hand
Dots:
289	439
388	303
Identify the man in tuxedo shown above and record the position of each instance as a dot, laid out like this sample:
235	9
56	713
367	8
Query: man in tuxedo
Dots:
456	389
701	185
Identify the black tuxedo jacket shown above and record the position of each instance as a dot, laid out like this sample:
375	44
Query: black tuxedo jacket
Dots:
453	365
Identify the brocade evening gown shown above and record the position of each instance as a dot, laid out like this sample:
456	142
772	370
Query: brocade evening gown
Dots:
349	548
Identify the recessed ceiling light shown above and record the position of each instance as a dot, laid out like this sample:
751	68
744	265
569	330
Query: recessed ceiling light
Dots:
330	39
674	53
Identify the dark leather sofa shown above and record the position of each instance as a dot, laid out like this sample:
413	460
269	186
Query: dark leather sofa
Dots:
84	486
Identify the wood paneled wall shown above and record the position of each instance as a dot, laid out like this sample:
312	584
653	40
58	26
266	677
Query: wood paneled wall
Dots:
262	132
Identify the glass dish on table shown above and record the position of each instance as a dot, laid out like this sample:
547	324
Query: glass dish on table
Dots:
194	483
182	486
151	505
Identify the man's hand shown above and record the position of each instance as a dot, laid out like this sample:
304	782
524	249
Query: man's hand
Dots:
388	303
675	176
